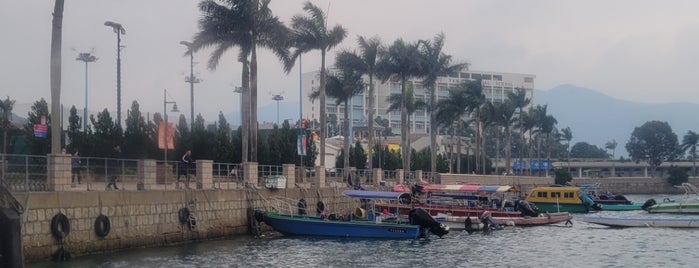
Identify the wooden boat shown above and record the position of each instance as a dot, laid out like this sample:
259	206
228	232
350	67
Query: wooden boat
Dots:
642	221
467	200
688	205
460	222
561	199
355	225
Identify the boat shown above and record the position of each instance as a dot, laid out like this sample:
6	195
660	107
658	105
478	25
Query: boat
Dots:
467	200
603	198
461	222
558	198
642	221
357	224
687	205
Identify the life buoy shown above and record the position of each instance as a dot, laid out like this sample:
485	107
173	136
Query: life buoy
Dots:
102	225
60	226
183	215
302	206
320	207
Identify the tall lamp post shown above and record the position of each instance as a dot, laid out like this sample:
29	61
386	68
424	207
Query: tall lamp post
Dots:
87	58
166	127
119	30
191	79
277	98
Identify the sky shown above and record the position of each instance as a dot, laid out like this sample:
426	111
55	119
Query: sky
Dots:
636	50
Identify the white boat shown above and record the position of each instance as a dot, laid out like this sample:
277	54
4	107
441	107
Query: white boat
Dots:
642	221
688	205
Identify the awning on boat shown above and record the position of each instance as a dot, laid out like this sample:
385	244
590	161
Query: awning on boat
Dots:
375	194
471	188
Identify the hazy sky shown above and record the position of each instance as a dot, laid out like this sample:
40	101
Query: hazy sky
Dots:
643	51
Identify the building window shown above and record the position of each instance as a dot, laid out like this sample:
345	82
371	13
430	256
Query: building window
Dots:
476	76
528	80
465	75
497	77
486	77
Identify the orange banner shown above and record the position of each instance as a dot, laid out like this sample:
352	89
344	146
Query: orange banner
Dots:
164	135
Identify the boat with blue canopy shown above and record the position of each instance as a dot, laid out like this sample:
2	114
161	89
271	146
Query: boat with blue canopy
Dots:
358	224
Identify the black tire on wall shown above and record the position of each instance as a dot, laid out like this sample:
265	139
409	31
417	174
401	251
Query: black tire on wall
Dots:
102	225
60	226
183	215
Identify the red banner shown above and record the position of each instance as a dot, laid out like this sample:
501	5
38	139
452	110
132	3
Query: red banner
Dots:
165	135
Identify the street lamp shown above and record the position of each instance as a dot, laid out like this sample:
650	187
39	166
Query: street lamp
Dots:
119	30
191	79
166	127
87	58
278	98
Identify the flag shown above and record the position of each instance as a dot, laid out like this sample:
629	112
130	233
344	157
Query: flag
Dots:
163	134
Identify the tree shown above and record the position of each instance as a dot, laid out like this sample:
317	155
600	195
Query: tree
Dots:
653	142
611	145
562	176
224	150
38	145
6	106
246	24
677	175
567	135
519	99
504	115
364	63
343	87
401	61
460	103
586	150
78	139
107	134
689	142
312	33
396	102
137	141
435	64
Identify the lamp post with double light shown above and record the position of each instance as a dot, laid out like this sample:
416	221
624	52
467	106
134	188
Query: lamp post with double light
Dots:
191	80
167	130
119	30
87	58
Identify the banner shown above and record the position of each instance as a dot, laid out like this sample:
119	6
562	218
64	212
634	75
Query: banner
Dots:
40	130
163	134
301	144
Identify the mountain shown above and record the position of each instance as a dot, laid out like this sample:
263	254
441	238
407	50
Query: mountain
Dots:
597	118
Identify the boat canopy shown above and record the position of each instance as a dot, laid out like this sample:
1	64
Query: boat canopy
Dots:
471	188
376	194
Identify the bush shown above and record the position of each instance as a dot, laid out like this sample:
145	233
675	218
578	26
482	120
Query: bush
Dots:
562	176
677	175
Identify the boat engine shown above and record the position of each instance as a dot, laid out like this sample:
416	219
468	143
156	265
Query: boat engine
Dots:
527	209
487	219
649	203
588	203
420	217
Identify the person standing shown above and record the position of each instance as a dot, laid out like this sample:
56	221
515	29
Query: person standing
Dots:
184	169
75	167
114	167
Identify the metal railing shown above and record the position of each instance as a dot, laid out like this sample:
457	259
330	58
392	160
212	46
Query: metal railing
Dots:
24	172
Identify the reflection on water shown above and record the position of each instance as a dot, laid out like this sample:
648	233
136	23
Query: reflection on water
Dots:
582	245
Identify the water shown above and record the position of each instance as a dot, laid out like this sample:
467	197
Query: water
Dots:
582	245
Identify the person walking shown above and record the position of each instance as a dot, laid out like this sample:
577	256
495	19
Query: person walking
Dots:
184	169
114	167
75	167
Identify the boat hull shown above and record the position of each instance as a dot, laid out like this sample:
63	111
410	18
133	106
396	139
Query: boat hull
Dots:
622	207
295	225
561	207
677	208
542	219
435	210
642	222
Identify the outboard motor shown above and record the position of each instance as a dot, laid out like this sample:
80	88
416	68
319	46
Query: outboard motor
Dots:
415	191
487	220
588	203
649	203
420	217
527	209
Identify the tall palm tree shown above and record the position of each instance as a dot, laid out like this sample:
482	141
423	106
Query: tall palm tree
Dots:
504	114
436	64
529	124
519	99
477	102
312	33
611	145
567	135
401	61
396	102
547	126
451	110
247	24
343	87
365	63
689	141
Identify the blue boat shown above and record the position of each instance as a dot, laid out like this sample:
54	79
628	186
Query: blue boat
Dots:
418	222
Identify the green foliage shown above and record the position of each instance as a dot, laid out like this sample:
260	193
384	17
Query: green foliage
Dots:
586	150
107	134
137	137
562	176
358	157
677	175
653	142
38	146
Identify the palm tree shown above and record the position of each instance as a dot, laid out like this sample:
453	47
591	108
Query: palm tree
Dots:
436	64
343	87
401	61
365	63
519	99
246	24
477	102
529	125
504	113
451	110
567	135
611	145
690	141
311	33
412	105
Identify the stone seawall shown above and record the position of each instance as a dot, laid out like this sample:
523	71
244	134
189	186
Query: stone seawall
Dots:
151	218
